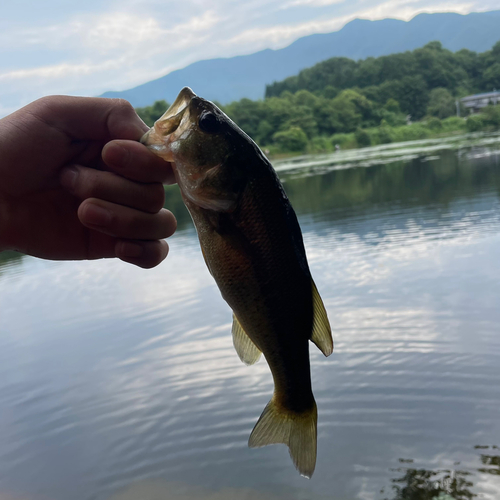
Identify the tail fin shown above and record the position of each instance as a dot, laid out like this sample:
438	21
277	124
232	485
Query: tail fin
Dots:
297	430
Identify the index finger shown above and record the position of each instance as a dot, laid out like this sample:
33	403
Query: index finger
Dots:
136	162
90	118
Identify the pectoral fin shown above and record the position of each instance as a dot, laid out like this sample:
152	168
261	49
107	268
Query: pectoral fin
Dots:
248	352
322	333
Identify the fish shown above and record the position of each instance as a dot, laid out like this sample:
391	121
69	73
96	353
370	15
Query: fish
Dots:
252	245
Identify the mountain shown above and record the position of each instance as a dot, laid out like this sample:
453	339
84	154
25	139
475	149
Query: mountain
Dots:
230	79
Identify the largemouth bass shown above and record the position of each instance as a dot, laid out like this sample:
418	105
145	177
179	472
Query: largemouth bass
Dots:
252	245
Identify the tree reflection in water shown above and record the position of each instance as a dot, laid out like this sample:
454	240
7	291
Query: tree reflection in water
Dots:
491	461
441	484
8	258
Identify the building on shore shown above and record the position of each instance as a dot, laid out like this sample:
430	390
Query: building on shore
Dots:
474	103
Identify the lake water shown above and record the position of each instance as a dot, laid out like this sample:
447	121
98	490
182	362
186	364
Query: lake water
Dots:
119	383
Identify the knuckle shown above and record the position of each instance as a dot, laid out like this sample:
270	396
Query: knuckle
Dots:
135	226
149	226
45	105
91	185
123	105
122	120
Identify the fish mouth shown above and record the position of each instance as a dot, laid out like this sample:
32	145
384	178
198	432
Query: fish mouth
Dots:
156	138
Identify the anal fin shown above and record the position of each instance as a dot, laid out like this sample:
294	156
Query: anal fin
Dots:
248	352
322	332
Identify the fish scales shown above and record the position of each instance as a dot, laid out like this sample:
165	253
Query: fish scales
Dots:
253	247
262	273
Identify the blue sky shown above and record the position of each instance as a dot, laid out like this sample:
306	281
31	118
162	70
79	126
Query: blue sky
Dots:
88	47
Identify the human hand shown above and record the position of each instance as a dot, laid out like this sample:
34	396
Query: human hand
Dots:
62	196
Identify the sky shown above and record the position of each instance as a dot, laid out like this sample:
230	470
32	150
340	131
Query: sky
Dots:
89	47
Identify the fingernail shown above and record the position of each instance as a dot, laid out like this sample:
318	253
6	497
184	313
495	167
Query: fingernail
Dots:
130	250
68	178
96	215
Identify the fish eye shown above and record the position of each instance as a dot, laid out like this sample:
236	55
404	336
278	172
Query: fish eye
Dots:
208	122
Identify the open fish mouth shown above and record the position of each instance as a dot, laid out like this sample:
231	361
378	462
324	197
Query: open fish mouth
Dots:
169	122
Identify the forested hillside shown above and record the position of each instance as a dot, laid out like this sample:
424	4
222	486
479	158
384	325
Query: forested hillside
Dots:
368	101
407	77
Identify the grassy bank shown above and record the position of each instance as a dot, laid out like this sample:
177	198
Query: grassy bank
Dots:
428	128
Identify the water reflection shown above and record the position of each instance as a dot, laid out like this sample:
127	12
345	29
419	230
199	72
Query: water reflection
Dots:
440	484
173	201
421	484
163	490
491	461
9	259
409	184
121	383
407	483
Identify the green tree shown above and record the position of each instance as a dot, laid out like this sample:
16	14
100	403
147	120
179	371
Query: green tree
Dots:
495	51
491	116
392	106
150	114
441	103
302	117
412	94
491	77
247	114
277	110
293	139
362	138
305	98
369	72
330	92
475	123
345	116
435	124
397	66
327	117
384	133
264	133
438	66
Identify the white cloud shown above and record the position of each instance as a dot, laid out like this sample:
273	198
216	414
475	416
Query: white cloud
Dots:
114	31
279	36
118	31
407	9
56	71
282	35
113	50
320	3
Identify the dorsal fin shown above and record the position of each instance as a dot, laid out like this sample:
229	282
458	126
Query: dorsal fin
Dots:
248	352
322	333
